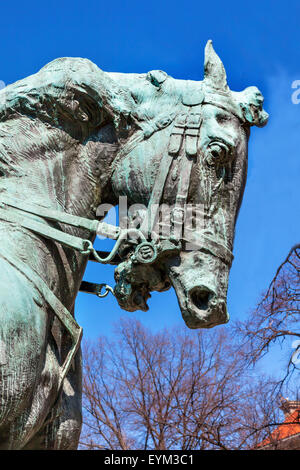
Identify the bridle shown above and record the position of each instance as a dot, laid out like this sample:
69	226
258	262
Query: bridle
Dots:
36	218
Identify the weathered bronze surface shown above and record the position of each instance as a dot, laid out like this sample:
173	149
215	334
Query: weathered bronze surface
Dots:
72	137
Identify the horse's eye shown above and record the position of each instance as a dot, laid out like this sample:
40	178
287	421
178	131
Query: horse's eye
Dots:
222	117
217	152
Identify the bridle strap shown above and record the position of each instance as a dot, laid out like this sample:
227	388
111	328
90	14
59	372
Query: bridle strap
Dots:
209	245
187	127
45	230
10	212
182	196
50	214
158	188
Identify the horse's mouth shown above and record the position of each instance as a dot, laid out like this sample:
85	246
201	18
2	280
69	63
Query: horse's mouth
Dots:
139	299
132	297
134	282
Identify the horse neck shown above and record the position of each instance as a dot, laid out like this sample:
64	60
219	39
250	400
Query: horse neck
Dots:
50	168
57	172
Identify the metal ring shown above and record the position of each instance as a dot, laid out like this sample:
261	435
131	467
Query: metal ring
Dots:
108	289
145	253
88	247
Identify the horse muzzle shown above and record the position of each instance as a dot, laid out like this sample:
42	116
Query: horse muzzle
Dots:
200	282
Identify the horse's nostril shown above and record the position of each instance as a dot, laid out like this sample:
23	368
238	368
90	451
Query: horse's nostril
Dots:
200	297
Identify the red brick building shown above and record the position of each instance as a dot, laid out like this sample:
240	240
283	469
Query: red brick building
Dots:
287	435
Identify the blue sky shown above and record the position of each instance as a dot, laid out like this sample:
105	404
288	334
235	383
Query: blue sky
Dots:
258	43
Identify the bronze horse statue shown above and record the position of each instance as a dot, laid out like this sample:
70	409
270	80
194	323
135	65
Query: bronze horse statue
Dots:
73	137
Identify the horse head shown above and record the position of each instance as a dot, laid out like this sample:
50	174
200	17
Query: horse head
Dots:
196	134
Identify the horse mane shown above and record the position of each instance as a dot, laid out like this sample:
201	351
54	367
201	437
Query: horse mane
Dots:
47	95
37	116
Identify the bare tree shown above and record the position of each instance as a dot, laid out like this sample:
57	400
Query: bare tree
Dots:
172	390
277	316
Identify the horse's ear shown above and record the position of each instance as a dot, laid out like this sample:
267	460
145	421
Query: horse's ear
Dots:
251	104
214	72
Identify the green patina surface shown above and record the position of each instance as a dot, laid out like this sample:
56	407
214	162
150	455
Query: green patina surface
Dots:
72	137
